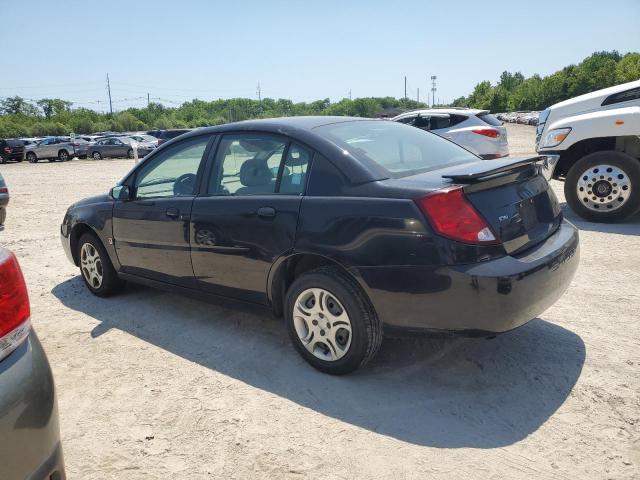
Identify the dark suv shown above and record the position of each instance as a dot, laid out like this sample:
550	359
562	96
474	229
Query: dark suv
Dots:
166	135
11	150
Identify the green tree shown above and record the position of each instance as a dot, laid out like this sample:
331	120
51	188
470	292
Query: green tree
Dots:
628	68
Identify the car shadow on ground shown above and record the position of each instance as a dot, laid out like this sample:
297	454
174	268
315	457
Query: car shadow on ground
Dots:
628	227
441	392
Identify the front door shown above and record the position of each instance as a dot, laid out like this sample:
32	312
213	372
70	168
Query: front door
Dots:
248	216
151	231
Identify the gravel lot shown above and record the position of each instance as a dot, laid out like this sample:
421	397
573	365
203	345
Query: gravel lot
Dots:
151	385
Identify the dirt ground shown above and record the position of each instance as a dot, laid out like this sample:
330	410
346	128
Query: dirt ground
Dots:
154	386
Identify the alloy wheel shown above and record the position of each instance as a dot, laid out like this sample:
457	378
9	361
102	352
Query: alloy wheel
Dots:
91	265
322	324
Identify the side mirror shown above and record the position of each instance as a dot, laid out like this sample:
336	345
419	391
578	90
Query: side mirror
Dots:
120	192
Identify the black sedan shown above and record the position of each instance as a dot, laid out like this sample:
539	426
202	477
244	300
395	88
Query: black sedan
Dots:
346	227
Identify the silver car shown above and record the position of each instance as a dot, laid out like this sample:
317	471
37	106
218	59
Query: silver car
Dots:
476	130
119	147
51	148
29	436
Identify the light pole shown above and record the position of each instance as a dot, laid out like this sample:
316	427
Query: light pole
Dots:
433	90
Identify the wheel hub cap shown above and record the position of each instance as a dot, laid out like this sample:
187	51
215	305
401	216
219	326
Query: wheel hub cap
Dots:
603	188
91	265
322	324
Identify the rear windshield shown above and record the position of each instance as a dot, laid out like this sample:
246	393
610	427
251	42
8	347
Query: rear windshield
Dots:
490	119
400	149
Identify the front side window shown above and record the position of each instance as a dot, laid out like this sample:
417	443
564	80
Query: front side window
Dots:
248	164
399	149
173	172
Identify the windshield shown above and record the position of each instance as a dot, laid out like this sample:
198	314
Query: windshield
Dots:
400	149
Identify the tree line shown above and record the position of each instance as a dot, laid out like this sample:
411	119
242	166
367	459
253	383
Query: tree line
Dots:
514	92
52	116
22	118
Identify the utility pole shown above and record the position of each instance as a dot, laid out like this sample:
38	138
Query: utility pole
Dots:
349	94
405	87
148	102
433	90
109	90
418	95
259	93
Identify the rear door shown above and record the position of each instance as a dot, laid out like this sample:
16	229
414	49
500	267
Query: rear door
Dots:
151	231
248	215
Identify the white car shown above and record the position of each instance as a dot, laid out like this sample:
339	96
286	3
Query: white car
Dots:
476	130
592	142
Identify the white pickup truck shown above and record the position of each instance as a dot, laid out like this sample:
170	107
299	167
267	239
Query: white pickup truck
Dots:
592	142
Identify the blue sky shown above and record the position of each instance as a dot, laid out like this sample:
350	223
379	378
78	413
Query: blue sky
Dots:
178	50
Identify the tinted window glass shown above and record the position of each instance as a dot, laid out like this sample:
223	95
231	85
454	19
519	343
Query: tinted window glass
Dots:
438	121
456	119
407	120
423	122
294	172
172	172
626	96
248	164
490	119
399	149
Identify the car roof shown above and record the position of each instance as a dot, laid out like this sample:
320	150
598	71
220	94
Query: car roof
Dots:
301	130
449	110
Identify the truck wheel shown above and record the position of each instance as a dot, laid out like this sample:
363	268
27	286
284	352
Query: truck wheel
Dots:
331	321
604	186
63	155
31	157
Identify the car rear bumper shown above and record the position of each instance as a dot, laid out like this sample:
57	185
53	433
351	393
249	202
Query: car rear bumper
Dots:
29	431
492	296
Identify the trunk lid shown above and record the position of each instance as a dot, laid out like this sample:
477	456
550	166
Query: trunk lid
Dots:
513	197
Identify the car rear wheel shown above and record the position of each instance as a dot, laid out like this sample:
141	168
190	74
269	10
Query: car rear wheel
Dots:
96	156
331	322
95	267
63	155
31	157
130	153
604	186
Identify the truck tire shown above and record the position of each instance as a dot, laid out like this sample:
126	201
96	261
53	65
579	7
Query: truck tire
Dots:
604	186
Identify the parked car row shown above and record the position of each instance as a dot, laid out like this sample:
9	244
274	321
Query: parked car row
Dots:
523	118
96	146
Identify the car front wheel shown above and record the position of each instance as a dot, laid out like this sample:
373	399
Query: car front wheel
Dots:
96	156
331	321
604	186
97	271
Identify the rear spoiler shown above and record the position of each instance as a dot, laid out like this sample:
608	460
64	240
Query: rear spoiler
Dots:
479	170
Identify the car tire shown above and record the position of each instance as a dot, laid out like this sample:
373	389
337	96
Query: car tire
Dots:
623	185
96	268
96	156
63	156
130	153
350	350
32	158
2	160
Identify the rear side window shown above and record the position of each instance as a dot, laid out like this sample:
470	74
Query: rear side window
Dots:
407	120
489	119
248	164
294	171
626	96
456	119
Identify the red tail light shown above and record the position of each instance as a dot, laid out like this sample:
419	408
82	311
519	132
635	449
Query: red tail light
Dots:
4	190
452	216
487	132
14	304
